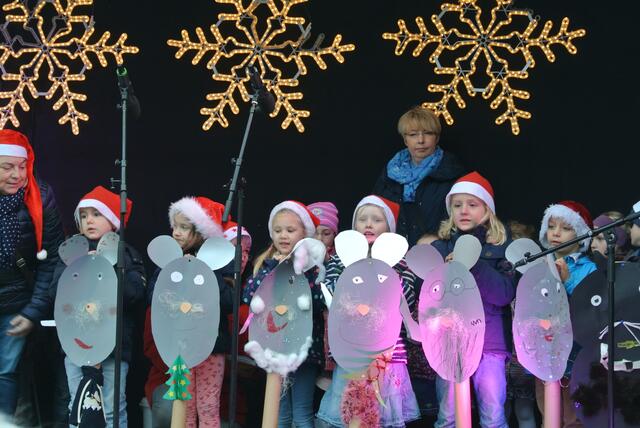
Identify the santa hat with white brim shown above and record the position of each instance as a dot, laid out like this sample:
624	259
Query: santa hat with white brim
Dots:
309	220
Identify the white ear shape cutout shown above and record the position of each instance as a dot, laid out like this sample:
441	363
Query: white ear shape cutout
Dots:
163	249
216	252
108	247
73	248
551	262
422	259
518	248
351	246
467	250
390	248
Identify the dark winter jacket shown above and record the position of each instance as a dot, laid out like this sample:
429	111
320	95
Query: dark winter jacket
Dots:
16	295
429	209
132	293
223	342
316	352
497	285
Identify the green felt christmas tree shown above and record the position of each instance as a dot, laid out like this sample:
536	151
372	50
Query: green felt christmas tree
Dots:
178	381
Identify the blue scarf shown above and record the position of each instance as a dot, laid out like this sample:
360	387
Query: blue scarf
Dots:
9	227
401	169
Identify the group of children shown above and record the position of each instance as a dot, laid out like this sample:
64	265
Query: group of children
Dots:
472	210
410	390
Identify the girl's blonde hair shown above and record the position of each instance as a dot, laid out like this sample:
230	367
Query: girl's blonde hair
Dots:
496	232
266	254
271	249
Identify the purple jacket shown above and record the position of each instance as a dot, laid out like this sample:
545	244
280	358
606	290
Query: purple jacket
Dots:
497	285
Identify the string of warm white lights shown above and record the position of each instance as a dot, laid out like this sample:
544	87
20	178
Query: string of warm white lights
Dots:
264	48
487	42
64	44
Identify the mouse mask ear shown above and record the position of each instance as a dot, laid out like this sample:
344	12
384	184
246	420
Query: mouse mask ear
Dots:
517	250
422	259
216	252
163	249
390	248
73	248
351	246
467	250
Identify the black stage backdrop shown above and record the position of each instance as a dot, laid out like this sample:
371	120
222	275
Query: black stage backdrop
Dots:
580	144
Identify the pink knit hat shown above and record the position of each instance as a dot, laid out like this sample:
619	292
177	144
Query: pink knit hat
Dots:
327	213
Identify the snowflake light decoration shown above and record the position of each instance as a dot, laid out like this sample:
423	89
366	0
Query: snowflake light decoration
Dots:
263	42
491	41
63	47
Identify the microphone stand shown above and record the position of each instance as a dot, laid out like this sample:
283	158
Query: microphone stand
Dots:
237	187
611	279
120	265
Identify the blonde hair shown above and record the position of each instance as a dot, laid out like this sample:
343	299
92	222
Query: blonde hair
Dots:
271	249
419	118
266	254
496	232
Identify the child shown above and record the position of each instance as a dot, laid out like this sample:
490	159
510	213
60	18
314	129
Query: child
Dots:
372	217
471	208
194	220
562	222
290	222
599	242
97	213
327	230
521	391
634	238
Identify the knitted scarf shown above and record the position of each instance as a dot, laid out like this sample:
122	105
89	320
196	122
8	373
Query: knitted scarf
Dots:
9	227
401	169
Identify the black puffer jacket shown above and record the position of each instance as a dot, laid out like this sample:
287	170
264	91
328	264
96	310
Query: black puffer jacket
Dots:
16	296
133	293
429	209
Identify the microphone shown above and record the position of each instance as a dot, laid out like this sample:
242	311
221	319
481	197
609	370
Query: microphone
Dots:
266	101
133	104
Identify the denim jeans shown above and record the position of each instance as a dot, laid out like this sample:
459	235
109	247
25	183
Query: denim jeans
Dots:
296	404
490	386
74	375
10	352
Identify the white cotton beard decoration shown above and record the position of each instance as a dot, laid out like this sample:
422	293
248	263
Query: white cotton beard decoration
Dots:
304	303
256	305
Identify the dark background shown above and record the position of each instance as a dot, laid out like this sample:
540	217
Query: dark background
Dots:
580	143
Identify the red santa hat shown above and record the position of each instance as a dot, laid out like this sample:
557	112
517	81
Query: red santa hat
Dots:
476	185
391	210
203	213
231	231
107	203
14	143
573	213
309	220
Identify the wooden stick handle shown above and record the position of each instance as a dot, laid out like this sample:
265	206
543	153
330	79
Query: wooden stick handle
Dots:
271	401
552	405
462	396
179	414
355	423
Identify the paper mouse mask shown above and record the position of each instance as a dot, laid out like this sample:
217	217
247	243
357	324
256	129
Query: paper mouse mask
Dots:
364	317
185	309
542	332
281	326
450	312
85	306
